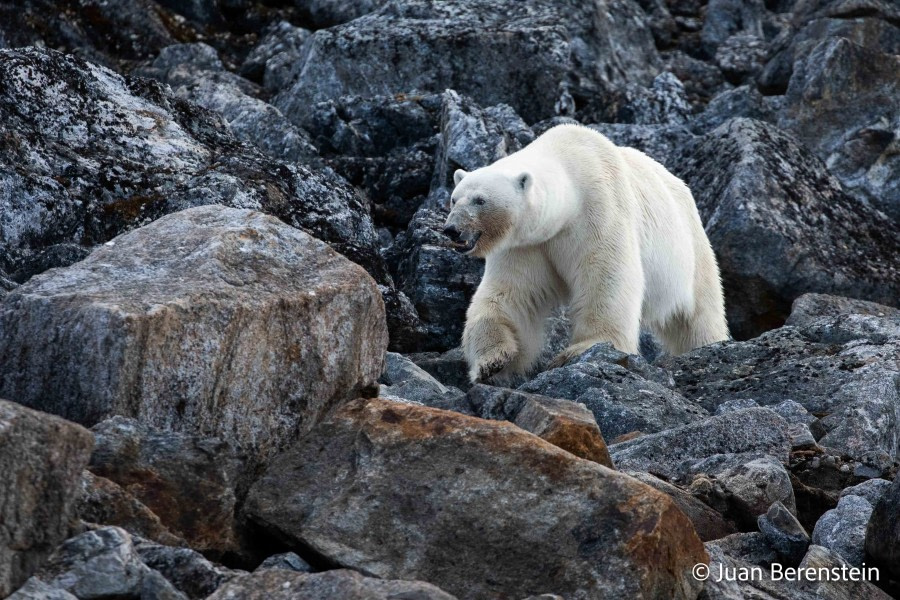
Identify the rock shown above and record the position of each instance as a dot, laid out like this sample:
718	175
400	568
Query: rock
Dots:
736	404
883	530
449	367
206	83
471	483
785	534
103	564
104	502
339	584
622	401
35	589
192	324
328	13
819	557
709	523
272	61
567	425
662	143
859	147
782	226
663	103
841	368
750	487
724	18
148	154
753	548
802	437
287	561
41	457
871	489
843	529
701	79
190	481
811	307
741	57
187	570
673	453
403	379
429	47
743	101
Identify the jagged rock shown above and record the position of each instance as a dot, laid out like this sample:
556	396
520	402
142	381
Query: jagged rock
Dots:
328	13
785	533
662	143
187	570
41	457
736	404
448	367
709	523
702	80
676	452
97	154
753	548
842	367
103	564
741	57
105	502
811	307
662	103
339	584
471	483
724	18
742	101
604	352
429	46
749	487
213	320
622	401
288	561
272	61
883	530
35	589
782	226
189	481
403	379
872	490
843	529
818	557
859	146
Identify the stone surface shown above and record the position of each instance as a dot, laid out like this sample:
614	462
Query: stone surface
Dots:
187	570
339	584
35	589
810	307
217	321
882	542
403	379
189	481
472	483
272	61
289	561
784	533
781	226
843	529
41	458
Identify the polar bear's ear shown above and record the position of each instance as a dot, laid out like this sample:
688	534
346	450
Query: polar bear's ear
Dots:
458	176
524	181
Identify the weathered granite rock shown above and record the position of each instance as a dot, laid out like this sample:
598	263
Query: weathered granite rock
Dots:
191	482
784	533
622	401
676	452
842	369
430	46
289	561
663	102
741	57
809	307
215	321
328	13
743	101
272	61
871	489
187	570
104	502
750	486
339	584
662	143
782	226
403	379
448	367
41	459
472	483
883	530
859	146
843	529
725	18
751	547
35	589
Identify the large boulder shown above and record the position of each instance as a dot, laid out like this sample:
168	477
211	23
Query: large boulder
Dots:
429	46
882	541
782	226
494	511
214	320
41	459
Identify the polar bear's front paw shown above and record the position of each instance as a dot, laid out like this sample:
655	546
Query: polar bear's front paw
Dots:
488	366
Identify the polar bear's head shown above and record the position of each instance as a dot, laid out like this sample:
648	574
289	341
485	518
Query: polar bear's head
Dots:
486	209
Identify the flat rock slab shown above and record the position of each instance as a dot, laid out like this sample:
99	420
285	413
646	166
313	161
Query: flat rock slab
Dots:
41	460
479	508
213	320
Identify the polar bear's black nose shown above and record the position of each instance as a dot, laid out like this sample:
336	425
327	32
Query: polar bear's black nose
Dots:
452	232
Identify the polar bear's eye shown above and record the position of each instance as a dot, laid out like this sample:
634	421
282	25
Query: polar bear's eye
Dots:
478	201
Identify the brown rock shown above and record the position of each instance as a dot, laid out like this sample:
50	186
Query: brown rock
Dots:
480	508
566	424
41	460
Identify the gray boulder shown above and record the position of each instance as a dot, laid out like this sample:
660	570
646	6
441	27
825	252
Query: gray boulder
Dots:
187	570
810	307
273	60
35	589
289	561
42	457
403	379
843	529
194	323
883	530
784	533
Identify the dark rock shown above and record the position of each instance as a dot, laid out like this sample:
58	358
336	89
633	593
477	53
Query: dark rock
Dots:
859	146
339	584
449	367
736	404
725	18
882	542
753	548
273	60
288	561
782	226
35	589
41	457
741	57
702	80
784	533
743	101
186	569
811	307
872	490
192	323
328	13
622	401
189	481
662	103
843	529
842	369
662	143
403	379
104	502
472	483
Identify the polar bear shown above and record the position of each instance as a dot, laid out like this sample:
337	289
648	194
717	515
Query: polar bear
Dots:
574	219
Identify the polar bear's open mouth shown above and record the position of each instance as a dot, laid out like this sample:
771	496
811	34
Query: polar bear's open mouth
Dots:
464	244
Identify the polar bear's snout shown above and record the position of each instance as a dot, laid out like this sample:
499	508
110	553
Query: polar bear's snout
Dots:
461	233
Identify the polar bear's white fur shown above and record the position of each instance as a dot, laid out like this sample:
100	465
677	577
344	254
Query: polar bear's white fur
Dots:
573	219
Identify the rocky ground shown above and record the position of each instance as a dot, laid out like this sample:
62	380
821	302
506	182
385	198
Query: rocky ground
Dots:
228	318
